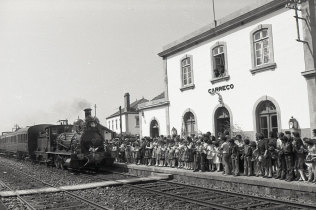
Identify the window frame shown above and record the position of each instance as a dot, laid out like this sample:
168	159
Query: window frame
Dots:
191	85
226	77
137	121
271	65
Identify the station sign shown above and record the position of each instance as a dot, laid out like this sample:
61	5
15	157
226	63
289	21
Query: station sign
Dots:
221	88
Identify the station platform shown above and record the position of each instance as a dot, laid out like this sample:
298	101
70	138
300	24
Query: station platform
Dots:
264	187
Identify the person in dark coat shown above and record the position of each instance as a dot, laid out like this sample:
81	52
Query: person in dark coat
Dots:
261	151
234	151
288	154
299	150
246	156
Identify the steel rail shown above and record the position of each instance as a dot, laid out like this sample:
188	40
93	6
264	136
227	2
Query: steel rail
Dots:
188	200
265	199
65	191
272	200
29	206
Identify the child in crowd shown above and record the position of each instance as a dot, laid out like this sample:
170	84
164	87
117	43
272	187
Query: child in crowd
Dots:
186	155
234	151
128	153
171	155
210	155
216	157
136	153
254	158
158	154
311	160
154	154
226	156
247	156
162	155
114	152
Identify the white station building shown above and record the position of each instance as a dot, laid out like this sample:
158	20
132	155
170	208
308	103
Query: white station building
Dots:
252	71
128	119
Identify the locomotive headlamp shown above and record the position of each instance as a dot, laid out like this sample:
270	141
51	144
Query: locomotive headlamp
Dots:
93	125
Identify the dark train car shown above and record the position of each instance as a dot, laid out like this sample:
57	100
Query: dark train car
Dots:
46	142
23	142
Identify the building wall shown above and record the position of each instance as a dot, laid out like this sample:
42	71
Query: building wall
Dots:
285	84
132	128
114	128
157	113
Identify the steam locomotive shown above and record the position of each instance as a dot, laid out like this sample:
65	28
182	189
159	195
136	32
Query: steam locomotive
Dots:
77	146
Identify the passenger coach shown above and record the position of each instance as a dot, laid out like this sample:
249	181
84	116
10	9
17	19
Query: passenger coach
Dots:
23	142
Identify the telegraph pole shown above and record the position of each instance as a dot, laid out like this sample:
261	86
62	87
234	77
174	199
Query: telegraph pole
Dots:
95	110
120	120
214	13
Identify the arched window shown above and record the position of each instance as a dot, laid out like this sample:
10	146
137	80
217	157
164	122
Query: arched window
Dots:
187	73
262	49
189	124
267	118
219	62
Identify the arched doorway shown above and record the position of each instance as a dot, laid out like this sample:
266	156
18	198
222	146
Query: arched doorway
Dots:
189	124
222	121
267	118
154	128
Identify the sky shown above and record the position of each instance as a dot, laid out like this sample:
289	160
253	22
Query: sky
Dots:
58	57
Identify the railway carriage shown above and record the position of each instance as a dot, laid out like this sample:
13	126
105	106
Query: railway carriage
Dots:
23	142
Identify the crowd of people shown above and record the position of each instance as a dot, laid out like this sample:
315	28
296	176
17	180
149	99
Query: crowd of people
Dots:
287	157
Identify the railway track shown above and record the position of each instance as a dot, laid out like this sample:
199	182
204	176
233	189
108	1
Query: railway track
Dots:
60	200
177	195
201	197
15	181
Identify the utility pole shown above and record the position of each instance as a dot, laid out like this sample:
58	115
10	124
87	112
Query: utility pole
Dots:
120	120
214	13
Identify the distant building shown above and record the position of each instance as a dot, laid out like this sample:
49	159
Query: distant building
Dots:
154	117
129	115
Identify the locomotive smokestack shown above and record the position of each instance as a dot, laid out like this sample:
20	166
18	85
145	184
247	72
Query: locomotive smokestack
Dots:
127	101
87	112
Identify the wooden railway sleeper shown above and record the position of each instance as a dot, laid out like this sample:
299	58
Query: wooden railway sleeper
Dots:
254	205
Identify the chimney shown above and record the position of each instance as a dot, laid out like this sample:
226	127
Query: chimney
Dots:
87	112
127	101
